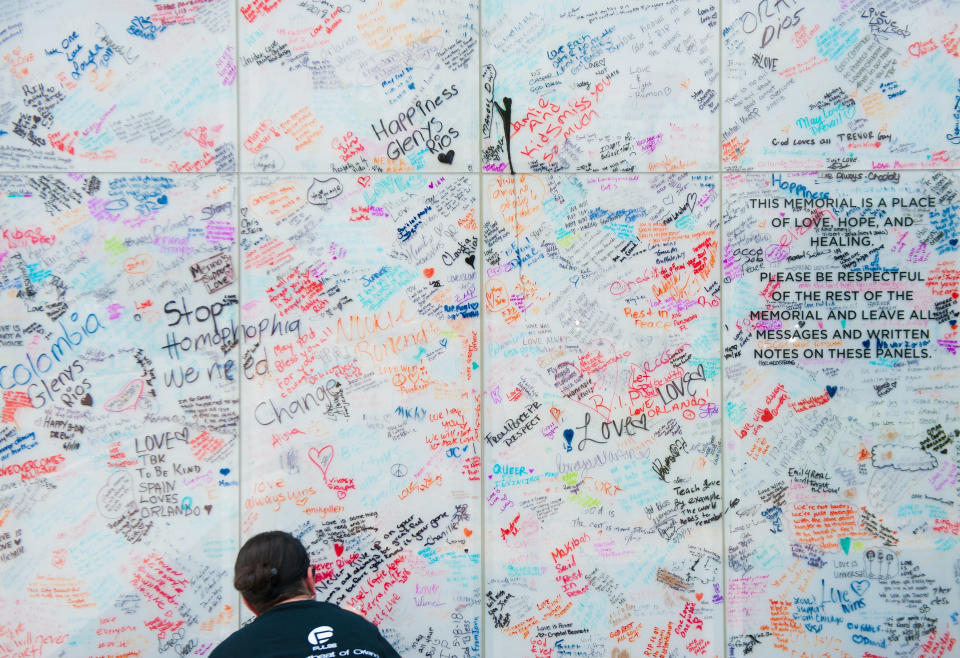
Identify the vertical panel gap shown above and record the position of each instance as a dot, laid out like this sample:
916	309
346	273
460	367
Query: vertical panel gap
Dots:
239	275
723	472
482	318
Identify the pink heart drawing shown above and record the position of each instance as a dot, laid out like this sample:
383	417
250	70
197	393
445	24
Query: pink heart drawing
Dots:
321	458
127	398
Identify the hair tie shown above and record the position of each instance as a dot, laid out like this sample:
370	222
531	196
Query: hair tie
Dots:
273	571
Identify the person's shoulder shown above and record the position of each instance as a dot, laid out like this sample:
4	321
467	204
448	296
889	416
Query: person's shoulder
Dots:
323	609
230	646
342	613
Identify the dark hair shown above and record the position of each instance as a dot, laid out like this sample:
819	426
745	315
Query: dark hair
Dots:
270	568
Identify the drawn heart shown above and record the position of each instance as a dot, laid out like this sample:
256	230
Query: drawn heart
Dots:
571	383
127	398
162	200
338	549
321	458
469	260
467	532
953	242
767	416
860	586
604	357
86	400
699	596
208	508
224	471
866	343
831	390
446	158
116	495
475	365
363	180
428	272
845	544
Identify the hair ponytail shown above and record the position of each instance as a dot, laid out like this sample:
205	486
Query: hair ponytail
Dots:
270	569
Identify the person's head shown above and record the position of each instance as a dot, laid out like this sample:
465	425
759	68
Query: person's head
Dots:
271	568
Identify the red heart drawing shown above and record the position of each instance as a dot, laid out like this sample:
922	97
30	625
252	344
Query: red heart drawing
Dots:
363	180
338	549
321	458
467	532
699	595
428	272
767	416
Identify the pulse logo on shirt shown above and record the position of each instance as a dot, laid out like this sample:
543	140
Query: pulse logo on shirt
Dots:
319	635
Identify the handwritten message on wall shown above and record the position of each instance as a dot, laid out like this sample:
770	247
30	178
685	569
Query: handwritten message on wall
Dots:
607	329
867	85
602	425
361	417
120	382
600	87
840	344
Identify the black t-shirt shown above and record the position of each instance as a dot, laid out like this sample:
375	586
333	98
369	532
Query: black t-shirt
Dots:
306	629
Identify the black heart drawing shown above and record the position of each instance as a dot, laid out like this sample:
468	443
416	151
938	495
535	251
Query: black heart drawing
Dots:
208	508
469	260
86	400
446	158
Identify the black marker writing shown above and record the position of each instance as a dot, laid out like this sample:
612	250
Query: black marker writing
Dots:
504	113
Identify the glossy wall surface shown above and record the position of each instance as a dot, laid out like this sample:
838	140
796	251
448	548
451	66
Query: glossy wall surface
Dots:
600	329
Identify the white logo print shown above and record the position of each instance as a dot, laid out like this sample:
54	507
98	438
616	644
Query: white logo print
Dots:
319	635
